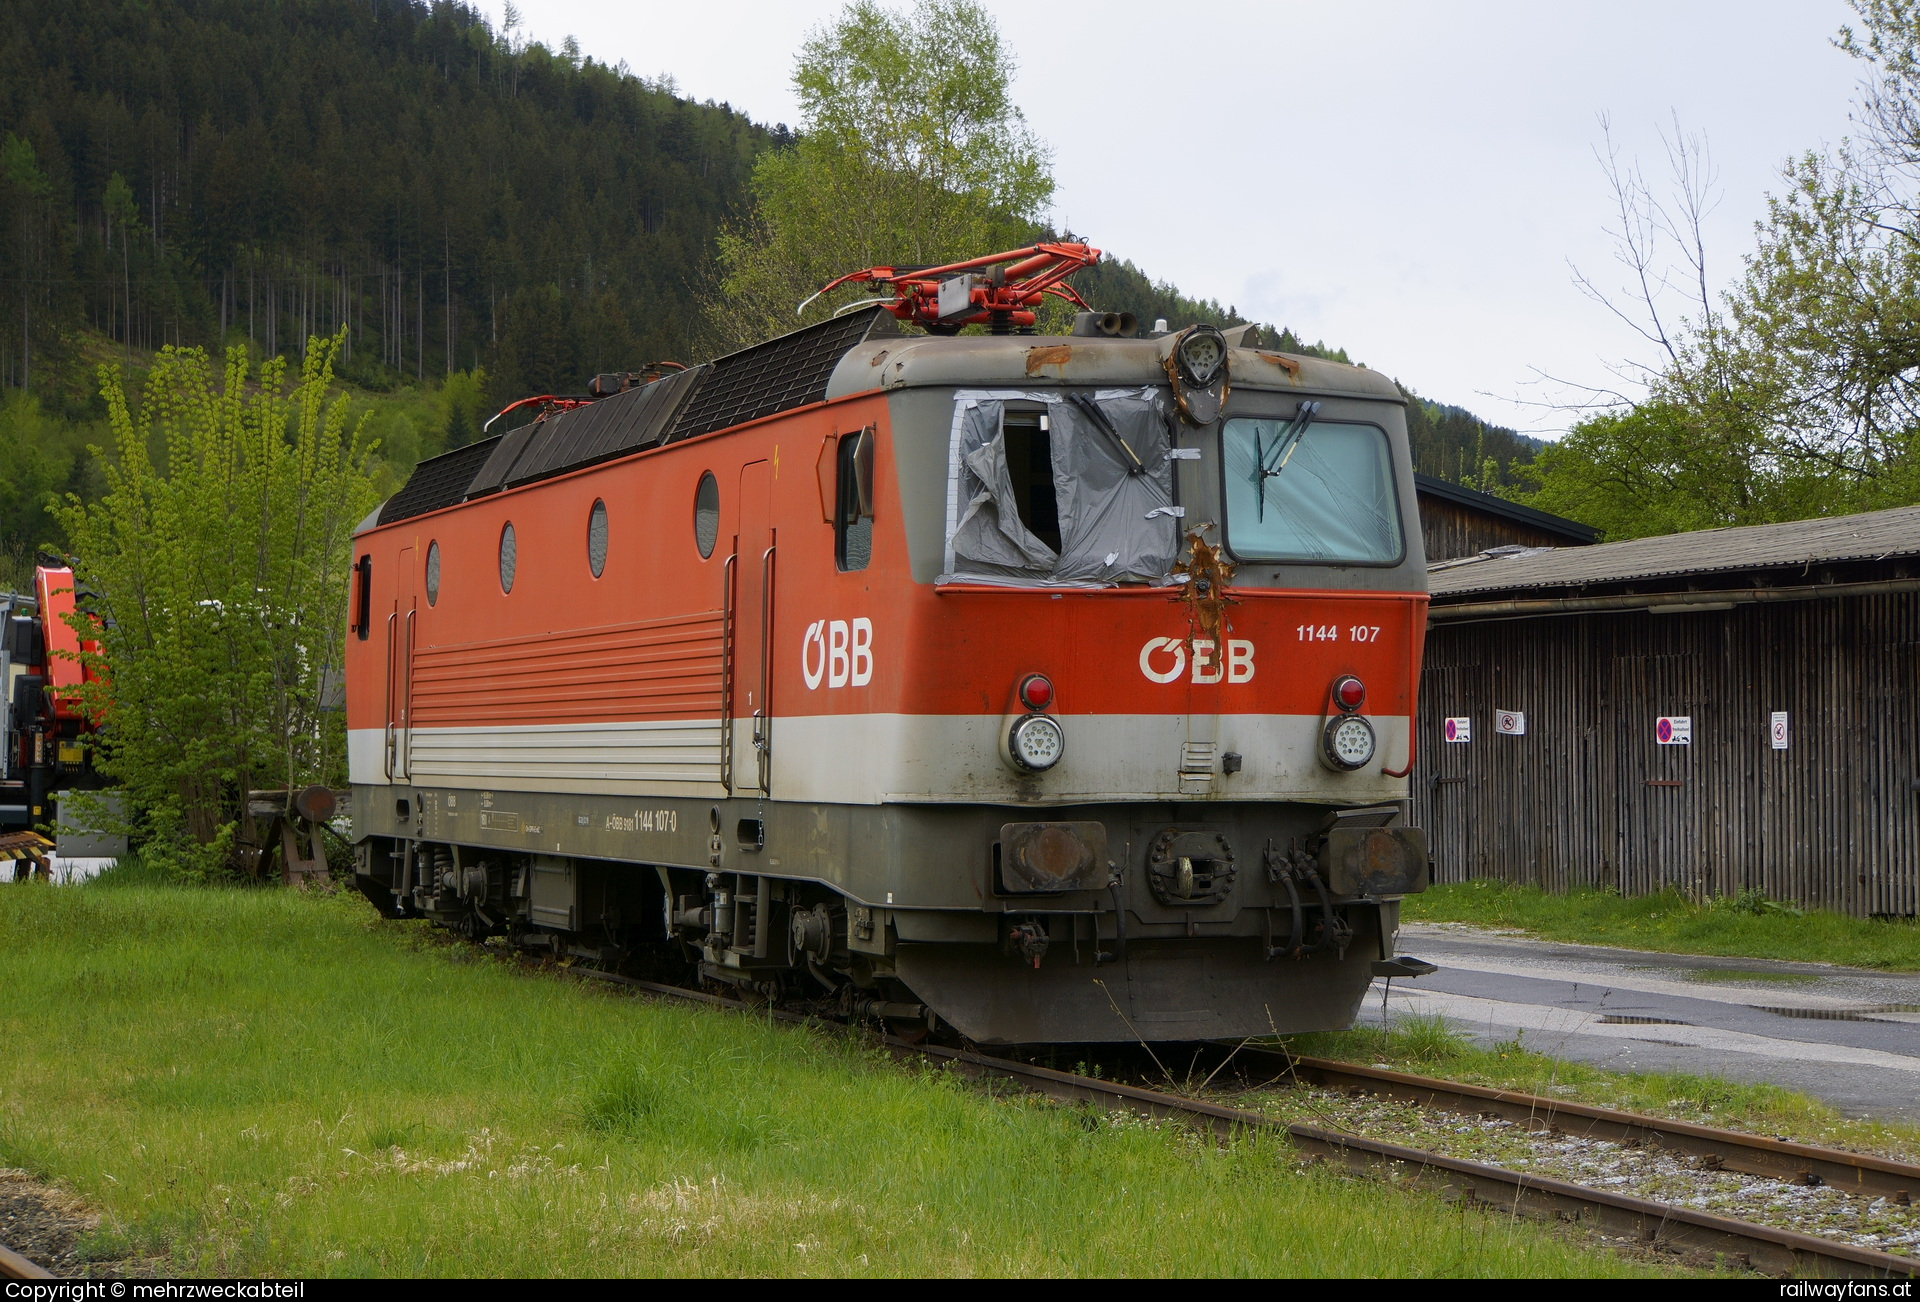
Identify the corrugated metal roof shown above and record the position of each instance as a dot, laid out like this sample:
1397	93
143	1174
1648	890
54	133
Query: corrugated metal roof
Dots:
1874	535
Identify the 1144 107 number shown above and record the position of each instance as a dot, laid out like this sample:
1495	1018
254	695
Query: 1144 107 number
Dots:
1331	632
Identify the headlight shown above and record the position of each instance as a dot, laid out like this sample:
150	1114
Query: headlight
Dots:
1201	353
1036	743
1348	741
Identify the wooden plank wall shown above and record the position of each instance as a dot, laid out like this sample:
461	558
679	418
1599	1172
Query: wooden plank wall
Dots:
1587	796
1451	530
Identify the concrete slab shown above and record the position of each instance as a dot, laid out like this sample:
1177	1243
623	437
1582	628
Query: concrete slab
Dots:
1848	1036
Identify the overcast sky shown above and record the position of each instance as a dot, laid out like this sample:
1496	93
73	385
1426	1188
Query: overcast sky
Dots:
1408	181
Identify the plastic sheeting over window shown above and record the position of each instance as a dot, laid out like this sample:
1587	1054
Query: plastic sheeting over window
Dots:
1325	499
1112	486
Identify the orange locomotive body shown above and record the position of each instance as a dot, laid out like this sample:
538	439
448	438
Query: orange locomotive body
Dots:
1032	685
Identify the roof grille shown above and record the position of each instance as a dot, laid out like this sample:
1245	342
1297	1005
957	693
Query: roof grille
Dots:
780	374
775	376
600	431
438	481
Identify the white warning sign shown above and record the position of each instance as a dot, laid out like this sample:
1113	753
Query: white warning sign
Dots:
1512	723
1674	730
1459	729
1777	729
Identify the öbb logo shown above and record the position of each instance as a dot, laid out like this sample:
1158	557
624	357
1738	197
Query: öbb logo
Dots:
837	653
1163	659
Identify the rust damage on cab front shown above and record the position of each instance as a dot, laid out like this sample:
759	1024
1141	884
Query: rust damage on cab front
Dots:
1205	576
1285	363
1055	355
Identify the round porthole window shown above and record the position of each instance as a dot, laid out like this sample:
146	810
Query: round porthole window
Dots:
507	558
706	515
433	573
597	539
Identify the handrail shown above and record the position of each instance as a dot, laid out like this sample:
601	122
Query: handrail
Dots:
726	670
765	744
406	708
387	759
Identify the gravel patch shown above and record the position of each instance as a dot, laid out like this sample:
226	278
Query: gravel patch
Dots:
1640	1172
50	1228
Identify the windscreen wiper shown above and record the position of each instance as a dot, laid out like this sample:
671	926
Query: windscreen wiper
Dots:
1269	462
1098	417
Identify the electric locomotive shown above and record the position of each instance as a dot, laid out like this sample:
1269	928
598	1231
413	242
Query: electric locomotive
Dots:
1052	688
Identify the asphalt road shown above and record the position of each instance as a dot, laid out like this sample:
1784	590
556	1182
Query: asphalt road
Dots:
1848	1036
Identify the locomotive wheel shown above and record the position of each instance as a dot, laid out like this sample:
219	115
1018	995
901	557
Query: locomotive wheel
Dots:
910	1033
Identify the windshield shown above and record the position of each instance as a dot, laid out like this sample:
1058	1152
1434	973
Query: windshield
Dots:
1059	488
1322	495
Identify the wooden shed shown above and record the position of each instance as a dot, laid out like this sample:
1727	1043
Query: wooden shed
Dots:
1713	711
1456	521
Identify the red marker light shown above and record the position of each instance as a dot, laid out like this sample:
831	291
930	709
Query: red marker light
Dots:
1350	693
1036	693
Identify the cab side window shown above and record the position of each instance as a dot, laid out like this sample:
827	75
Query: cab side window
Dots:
853	498
363	598
1029	444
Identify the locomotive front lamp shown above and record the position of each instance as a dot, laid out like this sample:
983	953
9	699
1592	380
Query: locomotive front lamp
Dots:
1348	742
1036	691
1350	693
1201	355
1035	743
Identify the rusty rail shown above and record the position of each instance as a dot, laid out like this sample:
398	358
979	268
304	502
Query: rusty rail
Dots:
1762	1248
1779	1159
15	1266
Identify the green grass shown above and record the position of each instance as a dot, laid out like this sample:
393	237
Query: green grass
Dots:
1748	927
1426	1045
261	1082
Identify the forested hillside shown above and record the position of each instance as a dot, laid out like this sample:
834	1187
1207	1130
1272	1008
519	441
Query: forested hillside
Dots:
192	170
217	171
1454	444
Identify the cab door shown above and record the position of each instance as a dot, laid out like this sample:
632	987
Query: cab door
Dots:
750	684
399	696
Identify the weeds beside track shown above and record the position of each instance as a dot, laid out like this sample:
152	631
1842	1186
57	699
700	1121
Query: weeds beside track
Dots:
1765	1248
260	1083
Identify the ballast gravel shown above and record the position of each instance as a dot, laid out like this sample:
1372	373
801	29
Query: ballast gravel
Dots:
1640	1172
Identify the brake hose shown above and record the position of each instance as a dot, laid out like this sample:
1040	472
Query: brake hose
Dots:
1326	912
1119	954
1294	928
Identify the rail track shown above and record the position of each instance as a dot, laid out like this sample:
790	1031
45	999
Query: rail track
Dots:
1764	1248
15	1266
1731	1150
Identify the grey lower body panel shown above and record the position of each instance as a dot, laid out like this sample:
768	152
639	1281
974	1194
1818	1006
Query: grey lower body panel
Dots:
924	856
1171	920
1199	989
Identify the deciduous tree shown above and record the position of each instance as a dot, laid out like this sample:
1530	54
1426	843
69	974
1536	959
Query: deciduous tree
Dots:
911	151
219	579
1797	391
